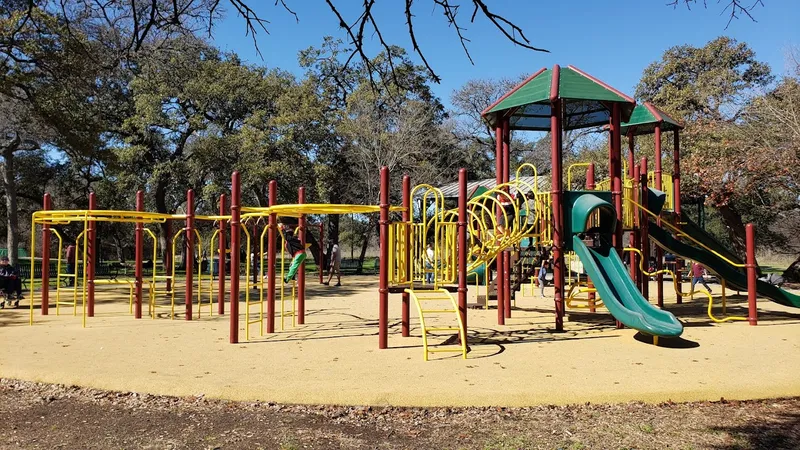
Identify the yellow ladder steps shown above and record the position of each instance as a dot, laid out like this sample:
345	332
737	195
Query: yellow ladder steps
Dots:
438	295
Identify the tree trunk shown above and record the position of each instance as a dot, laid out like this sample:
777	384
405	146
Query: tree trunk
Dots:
733	222
365	243
163	240
9	183
792	273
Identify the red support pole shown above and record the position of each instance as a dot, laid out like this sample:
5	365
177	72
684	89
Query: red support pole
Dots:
235	251
271	257
750	238
189	263
507	269
590	187
168	253
46	260
637	228
383	312
498	278
462	248
558	222
139	243
634	269
644	222
615	167
659	251
221	264
676	196
321	250
91	257
406	305
301	273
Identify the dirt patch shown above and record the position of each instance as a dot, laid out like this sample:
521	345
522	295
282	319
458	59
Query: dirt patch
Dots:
36	415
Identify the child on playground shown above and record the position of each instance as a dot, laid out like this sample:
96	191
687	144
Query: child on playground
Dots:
542	276
296	249
697	276
10	282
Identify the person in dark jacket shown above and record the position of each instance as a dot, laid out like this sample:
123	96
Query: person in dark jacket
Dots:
10	282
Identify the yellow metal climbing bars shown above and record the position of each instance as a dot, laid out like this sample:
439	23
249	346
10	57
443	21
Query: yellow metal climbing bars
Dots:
439	295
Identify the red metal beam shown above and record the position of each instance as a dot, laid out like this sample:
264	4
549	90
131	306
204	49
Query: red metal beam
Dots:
405	326
507	269
301	273
462	248
221	265
383	309
235	249
676	198
271	257
590	187
644	222
139	243
45	260
189	263
750	238
498	280
558	223
91	257
659	251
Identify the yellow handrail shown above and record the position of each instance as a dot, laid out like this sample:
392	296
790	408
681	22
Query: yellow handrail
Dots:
680	233
676	282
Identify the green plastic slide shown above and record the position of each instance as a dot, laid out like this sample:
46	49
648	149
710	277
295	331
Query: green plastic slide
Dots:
735	278
619	293
701	235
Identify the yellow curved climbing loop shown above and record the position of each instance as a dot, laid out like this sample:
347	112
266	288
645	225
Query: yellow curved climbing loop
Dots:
496	220
432	301
676	282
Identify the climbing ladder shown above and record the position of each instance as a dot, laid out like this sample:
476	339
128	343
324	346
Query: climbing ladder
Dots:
430	298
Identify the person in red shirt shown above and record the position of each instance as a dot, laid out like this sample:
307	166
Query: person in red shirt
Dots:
697	276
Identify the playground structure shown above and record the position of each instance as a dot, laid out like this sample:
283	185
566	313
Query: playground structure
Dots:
483	234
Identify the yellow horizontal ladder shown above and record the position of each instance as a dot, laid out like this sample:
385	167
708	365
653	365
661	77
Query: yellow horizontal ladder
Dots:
441	296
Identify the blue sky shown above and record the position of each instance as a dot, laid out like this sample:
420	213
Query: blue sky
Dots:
612	40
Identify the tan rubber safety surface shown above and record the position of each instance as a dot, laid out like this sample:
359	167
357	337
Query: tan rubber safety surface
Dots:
334	357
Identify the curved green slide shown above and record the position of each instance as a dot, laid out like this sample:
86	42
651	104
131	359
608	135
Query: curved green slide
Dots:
619	293
729	273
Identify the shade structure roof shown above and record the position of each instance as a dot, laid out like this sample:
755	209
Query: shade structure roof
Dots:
644	119
587	101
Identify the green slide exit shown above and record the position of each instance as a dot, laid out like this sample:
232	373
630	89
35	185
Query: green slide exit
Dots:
729	273
619	293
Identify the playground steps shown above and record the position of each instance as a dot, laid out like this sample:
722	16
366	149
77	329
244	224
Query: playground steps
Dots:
436	302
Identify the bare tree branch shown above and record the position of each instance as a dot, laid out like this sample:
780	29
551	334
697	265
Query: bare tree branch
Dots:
736	7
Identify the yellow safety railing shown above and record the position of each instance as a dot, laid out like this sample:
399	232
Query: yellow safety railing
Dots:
439	295
678	232
575	302
676	282
569	172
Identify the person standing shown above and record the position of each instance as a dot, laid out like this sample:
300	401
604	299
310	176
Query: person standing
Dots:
542	277
697	276
335	265
430	259
71	263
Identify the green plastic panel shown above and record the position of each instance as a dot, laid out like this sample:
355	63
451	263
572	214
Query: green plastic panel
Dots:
619	292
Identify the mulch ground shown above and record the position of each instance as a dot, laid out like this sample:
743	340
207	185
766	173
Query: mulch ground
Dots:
35	415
